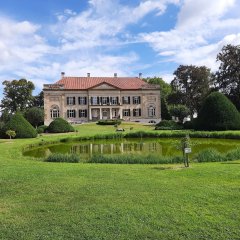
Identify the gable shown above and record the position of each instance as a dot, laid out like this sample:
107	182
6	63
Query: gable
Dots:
103	86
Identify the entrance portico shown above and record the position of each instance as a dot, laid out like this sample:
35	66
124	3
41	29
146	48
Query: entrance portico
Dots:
103	113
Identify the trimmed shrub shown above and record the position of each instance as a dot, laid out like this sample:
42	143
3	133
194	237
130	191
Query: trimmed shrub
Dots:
60	125
233	155
42	129
109	122
59	157
135	159
218	113
210	155
21	126
168	125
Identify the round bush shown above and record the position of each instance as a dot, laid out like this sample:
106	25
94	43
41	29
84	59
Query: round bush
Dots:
218	113
21	126
60	125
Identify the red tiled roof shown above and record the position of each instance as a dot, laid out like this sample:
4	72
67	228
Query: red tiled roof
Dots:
81	83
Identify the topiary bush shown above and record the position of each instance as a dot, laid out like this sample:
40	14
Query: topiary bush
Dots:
218	113
168	125
60	125
21	126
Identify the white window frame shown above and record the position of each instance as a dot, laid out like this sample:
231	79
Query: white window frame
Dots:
151	111
70	100
71	113
104	100
126	112
136	112
54	112
114	101
94	100
82	113
136	100
82	101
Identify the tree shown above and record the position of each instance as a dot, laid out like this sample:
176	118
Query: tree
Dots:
227	78
17	95
165	115
38	100
218	113
191	85
165	88
35	116
11	133
179	111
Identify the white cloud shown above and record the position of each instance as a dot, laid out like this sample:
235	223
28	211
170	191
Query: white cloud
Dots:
203	27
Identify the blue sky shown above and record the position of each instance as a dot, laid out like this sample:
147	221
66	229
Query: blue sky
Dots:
40	39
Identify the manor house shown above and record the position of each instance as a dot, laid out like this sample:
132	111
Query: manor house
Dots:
84	99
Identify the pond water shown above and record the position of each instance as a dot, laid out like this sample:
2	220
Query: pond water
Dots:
159	147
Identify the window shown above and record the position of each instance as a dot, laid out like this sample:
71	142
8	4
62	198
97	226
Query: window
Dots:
114	100
136	100
126	112
125	100
105	100
137	112
82	100
54	111
70	100
71	113
151	111
95	100
83	113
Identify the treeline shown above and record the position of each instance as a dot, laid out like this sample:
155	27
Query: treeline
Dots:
185	95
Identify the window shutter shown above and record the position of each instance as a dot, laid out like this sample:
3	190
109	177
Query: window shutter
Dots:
67	100
100	100
129	100
73	100
110	100
129	112
97	100
68	113
74	113
139	100
140	112
117	100
85	100
85	112
91	100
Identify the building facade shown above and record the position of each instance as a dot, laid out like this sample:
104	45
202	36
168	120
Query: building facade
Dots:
84	99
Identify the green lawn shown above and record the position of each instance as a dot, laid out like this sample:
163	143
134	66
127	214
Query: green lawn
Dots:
40	200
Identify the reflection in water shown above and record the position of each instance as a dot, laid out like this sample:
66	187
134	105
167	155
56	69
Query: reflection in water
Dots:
159	147
116	148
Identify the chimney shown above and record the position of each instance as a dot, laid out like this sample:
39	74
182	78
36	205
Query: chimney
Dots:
63	74
88	74
115	74
140	75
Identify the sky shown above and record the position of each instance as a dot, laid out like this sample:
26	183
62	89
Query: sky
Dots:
41	39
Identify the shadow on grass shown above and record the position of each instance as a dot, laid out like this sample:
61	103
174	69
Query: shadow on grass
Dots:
231	163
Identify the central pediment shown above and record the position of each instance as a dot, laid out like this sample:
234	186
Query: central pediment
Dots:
103	86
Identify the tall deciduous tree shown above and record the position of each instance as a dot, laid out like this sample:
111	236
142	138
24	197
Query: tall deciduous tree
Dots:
35	116
38	100
227	78
191	85
17	95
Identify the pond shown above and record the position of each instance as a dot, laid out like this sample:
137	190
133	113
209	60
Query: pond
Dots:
159	147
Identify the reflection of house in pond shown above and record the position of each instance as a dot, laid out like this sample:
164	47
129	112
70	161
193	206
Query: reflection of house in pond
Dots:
116	148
